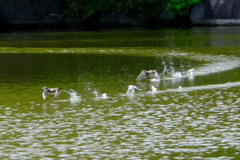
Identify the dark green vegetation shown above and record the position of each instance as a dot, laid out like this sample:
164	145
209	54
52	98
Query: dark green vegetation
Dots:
82	9
182	7
145	9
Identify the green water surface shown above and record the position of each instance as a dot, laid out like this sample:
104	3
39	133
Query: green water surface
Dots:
187	118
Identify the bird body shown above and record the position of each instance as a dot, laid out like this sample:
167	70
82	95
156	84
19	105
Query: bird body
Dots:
144	74
54	91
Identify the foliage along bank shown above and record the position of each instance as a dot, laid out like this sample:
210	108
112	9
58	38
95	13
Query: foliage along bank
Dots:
78	14
86	10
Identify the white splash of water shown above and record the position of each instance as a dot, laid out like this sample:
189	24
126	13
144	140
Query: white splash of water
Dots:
131	89
74	98
96	93
169	73
155	80
191	71
190	74
99	96
104	96
153	89
214	64
204	87
177	75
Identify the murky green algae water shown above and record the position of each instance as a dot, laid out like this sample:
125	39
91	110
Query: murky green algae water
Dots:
185	115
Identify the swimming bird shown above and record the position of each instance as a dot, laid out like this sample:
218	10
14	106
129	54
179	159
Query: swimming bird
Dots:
54	91
144	74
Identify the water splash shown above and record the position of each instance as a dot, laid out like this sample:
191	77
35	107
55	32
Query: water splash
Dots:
177	75
214	64
155	80
190	74
153	89
74	98
131	89
165	72
204	87
169	72
99	96
96	93
104	96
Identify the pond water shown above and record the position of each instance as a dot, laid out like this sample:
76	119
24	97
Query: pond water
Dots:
192	112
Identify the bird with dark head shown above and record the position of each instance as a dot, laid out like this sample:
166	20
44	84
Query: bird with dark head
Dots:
144	74
53	91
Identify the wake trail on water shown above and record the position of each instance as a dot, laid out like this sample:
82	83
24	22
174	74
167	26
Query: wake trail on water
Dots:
214	64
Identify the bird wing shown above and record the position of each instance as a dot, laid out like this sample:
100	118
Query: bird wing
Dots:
141	76
156	74
44	94
57	93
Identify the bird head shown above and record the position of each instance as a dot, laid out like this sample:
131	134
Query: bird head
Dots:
45	87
